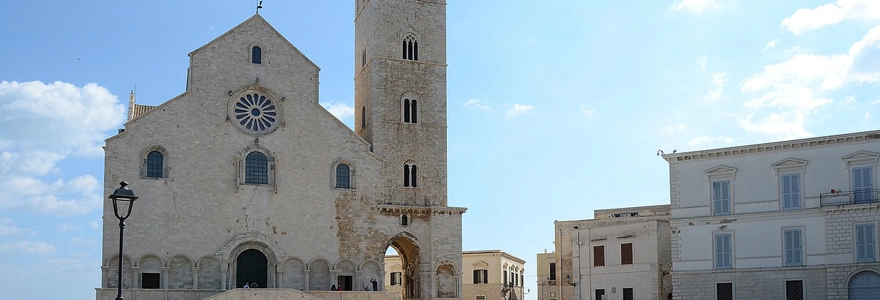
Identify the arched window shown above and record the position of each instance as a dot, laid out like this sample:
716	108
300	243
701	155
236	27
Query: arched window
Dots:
404	220
256	168
155	164
410	48
410	175
364	57
256	55
363	117
410	111
343	176
864	285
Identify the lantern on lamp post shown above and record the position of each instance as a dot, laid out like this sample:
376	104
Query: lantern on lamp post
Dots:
125	198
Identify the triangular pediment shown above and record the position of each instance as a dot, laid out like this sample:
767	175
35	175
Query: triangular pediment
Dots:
721	170
790	162
862	155
481	265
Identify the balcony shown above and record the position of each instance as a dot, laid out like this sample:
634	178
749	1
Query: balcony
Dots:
838	197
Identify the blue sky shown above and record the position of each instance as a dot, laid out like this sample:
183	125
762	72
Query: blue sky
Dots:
554	109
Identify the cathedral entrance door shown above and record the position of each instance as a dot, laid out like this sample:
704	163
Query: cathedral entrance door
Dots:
251	267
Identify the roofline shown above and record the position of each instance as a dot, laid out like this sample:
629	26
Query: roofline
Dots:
822	141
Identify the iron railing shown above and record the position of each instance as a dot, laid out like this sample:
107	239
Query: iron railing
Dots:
837	197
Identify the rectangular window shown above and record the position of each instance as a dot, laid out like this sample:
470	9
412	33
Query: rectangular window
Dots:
505	277
862	184
794	290
628	294
149	280
724	291
600	294
865	243
793	247
721	197
481	297
598	256
395	278
791	191
723	251
481	276
552	271
626	254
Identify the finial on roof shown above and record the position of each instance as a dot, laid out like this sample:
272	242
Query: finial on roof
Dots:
259	6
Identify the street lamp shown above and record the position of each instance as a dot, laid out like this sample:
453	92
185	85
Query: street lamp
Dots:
125	197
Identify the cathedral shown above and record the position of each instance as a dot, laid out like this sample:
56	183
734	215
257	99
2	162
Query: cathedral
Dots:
245	179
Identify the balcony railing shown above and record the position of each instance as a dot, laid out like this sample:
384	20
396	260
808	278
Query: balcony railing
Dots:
837	197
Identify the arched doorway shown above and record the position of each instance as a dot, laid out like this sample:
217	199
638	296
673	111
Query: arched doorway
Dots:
251	266
864	285
410	263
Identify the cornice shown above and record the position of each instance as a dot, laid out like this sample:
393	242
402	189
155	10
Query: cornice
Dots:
815	142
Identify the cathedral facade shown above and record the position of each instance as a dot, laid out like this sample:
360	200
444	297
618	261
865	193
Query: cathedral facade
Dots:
244	178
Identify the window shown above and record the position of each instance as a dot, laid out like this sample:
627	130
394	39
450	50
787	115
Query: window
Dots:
862	184
522	279
598	256
865	243
150	280
723	251
410	175
481	276
552	271
404	220
363	117
482	297
793	247
410	111
395	278
155	164
721	197
256	168
790	185
628	294
410	48
256	55
864	286
600	294
343	176
794	290
626	254
724	291
505	277
364	57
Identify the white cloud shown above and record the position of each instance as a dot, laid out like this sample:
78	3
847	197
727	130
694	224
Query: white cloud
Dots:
586	111
52	122
771	44
795	89
710	140
702	61
339	110
867	116
28	247
805	19
7	228
672	129
696	6
519	109
718	80
476	104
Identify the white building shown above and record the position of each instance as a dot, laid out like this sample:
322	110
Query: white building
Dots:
784	220
620	254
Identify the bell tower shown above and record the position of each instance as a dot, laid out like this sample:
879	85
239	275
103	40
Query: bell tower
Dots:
400	95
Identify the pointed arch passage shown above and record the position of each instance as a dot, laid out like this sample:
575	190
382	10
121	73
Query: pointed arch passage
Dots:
410	260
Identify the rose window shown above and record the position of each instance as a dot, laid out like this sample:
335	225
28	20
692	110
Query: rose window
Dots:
255	113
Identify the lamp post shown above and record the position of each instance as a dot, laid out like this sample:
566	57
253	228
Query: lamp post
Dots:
126	197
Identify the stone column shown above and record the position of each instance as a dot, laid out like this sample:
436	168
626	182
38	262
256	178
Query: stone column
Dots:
279	276
306	278
105	282
357	280
135	282
224	269
165	277
382	279
195	274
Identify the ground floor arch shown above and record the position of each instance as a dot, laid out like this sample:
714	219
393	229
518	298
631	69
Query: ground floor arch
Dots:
251	267
410	262
864	285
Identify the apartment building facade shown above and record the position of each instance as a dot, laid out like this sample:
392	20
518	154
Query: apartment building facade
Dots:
783	220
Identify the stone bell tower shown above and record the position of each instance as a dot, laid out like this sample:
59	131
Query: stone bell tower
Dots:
400	94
